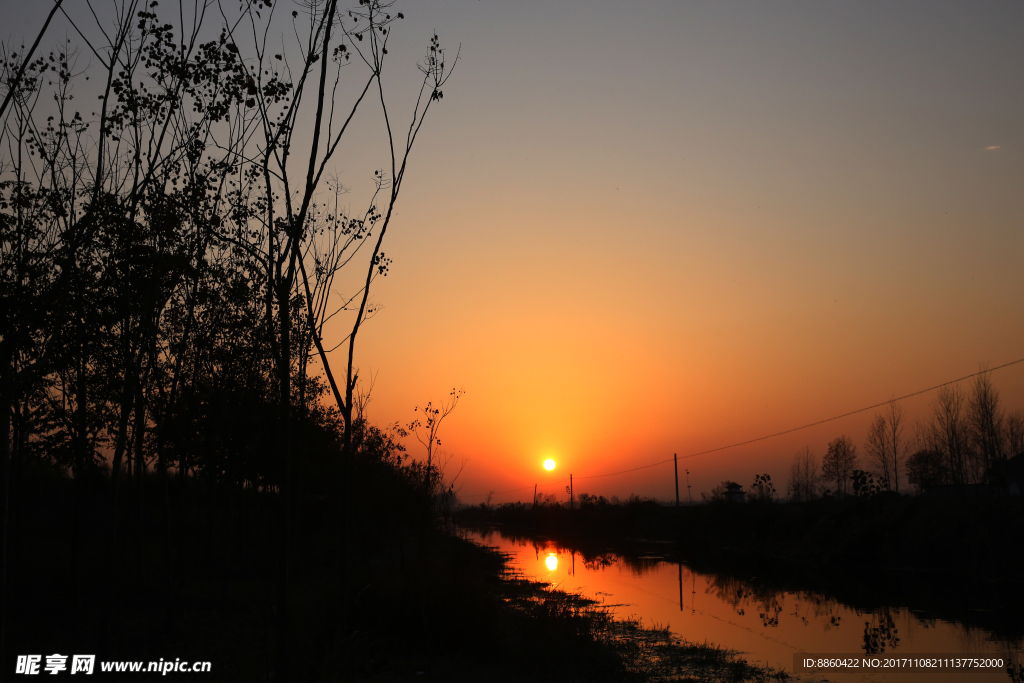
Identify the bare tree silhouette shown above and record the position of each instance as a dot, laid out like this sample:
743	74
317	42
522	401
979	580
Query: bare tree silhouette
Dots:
803	476
887	446
839	463
169	262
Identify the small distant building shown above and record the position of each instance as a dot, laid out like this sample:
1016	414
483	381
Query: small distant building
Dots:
734	493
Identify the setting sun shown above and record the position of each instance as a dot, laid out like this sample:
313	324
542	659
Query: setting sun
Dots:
759	283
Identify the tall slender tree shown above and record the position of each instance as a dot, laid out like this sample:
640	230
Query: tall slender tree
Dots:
839	463
986	427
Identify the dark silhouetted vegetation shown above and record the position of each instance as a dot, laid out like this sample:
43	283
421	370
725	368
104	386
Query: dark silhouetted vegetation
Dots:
869	550
185	470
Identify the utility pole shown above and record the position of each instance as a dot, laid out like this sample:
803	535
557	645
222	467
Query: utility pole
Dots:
675	464
688	496
534	495
570	492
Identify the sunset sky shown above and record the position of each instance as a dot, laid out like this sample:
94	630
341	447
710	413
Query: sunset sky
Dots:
632	230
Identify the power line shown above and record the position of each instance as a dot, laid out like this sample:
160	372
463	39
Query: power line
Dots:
634	469
854	412
794	429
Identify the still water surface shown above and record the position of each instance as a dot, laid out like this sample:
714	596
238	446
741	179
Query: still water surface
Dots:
764	625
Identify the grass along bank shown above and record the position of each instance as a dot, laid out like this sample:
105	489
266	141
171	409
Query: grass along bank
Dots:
193	576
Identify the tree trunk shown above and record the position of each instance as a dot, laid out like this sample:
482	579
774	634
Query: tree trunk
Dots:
346	513
127	396
284	436
166	505
139	437
81	443
6	403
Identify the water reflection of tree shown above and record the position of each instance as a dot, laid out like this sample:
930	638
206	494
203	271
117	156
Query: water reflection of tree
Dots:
743	595
971	639
1011	650
601	561
1015	661
640	566
881	632
740	594
925	621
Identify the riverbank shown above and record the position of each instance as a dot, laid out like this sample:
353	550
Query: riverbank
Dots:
980	537
958	560
484	621
422	604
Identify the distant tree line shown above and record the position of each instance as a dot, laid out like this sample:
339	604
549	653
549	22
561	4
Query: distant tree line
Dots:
967	439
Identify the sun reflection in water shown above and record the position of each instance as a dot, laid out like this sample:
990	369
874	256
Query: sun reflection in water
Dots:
751	616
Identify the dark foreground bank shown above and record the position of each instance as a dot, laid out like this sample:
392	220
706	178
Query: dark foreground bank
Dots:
193	576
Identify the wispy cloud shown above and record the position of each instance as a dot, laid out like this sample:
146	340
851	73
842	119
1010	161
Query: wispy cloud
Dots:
991	148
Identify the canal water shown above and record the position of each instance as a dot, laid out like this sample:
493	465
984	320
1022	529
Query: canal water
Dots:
764	626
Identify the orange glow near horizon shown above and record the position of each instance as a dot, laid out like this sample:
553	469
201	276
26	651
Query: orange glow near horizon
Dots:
778	240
